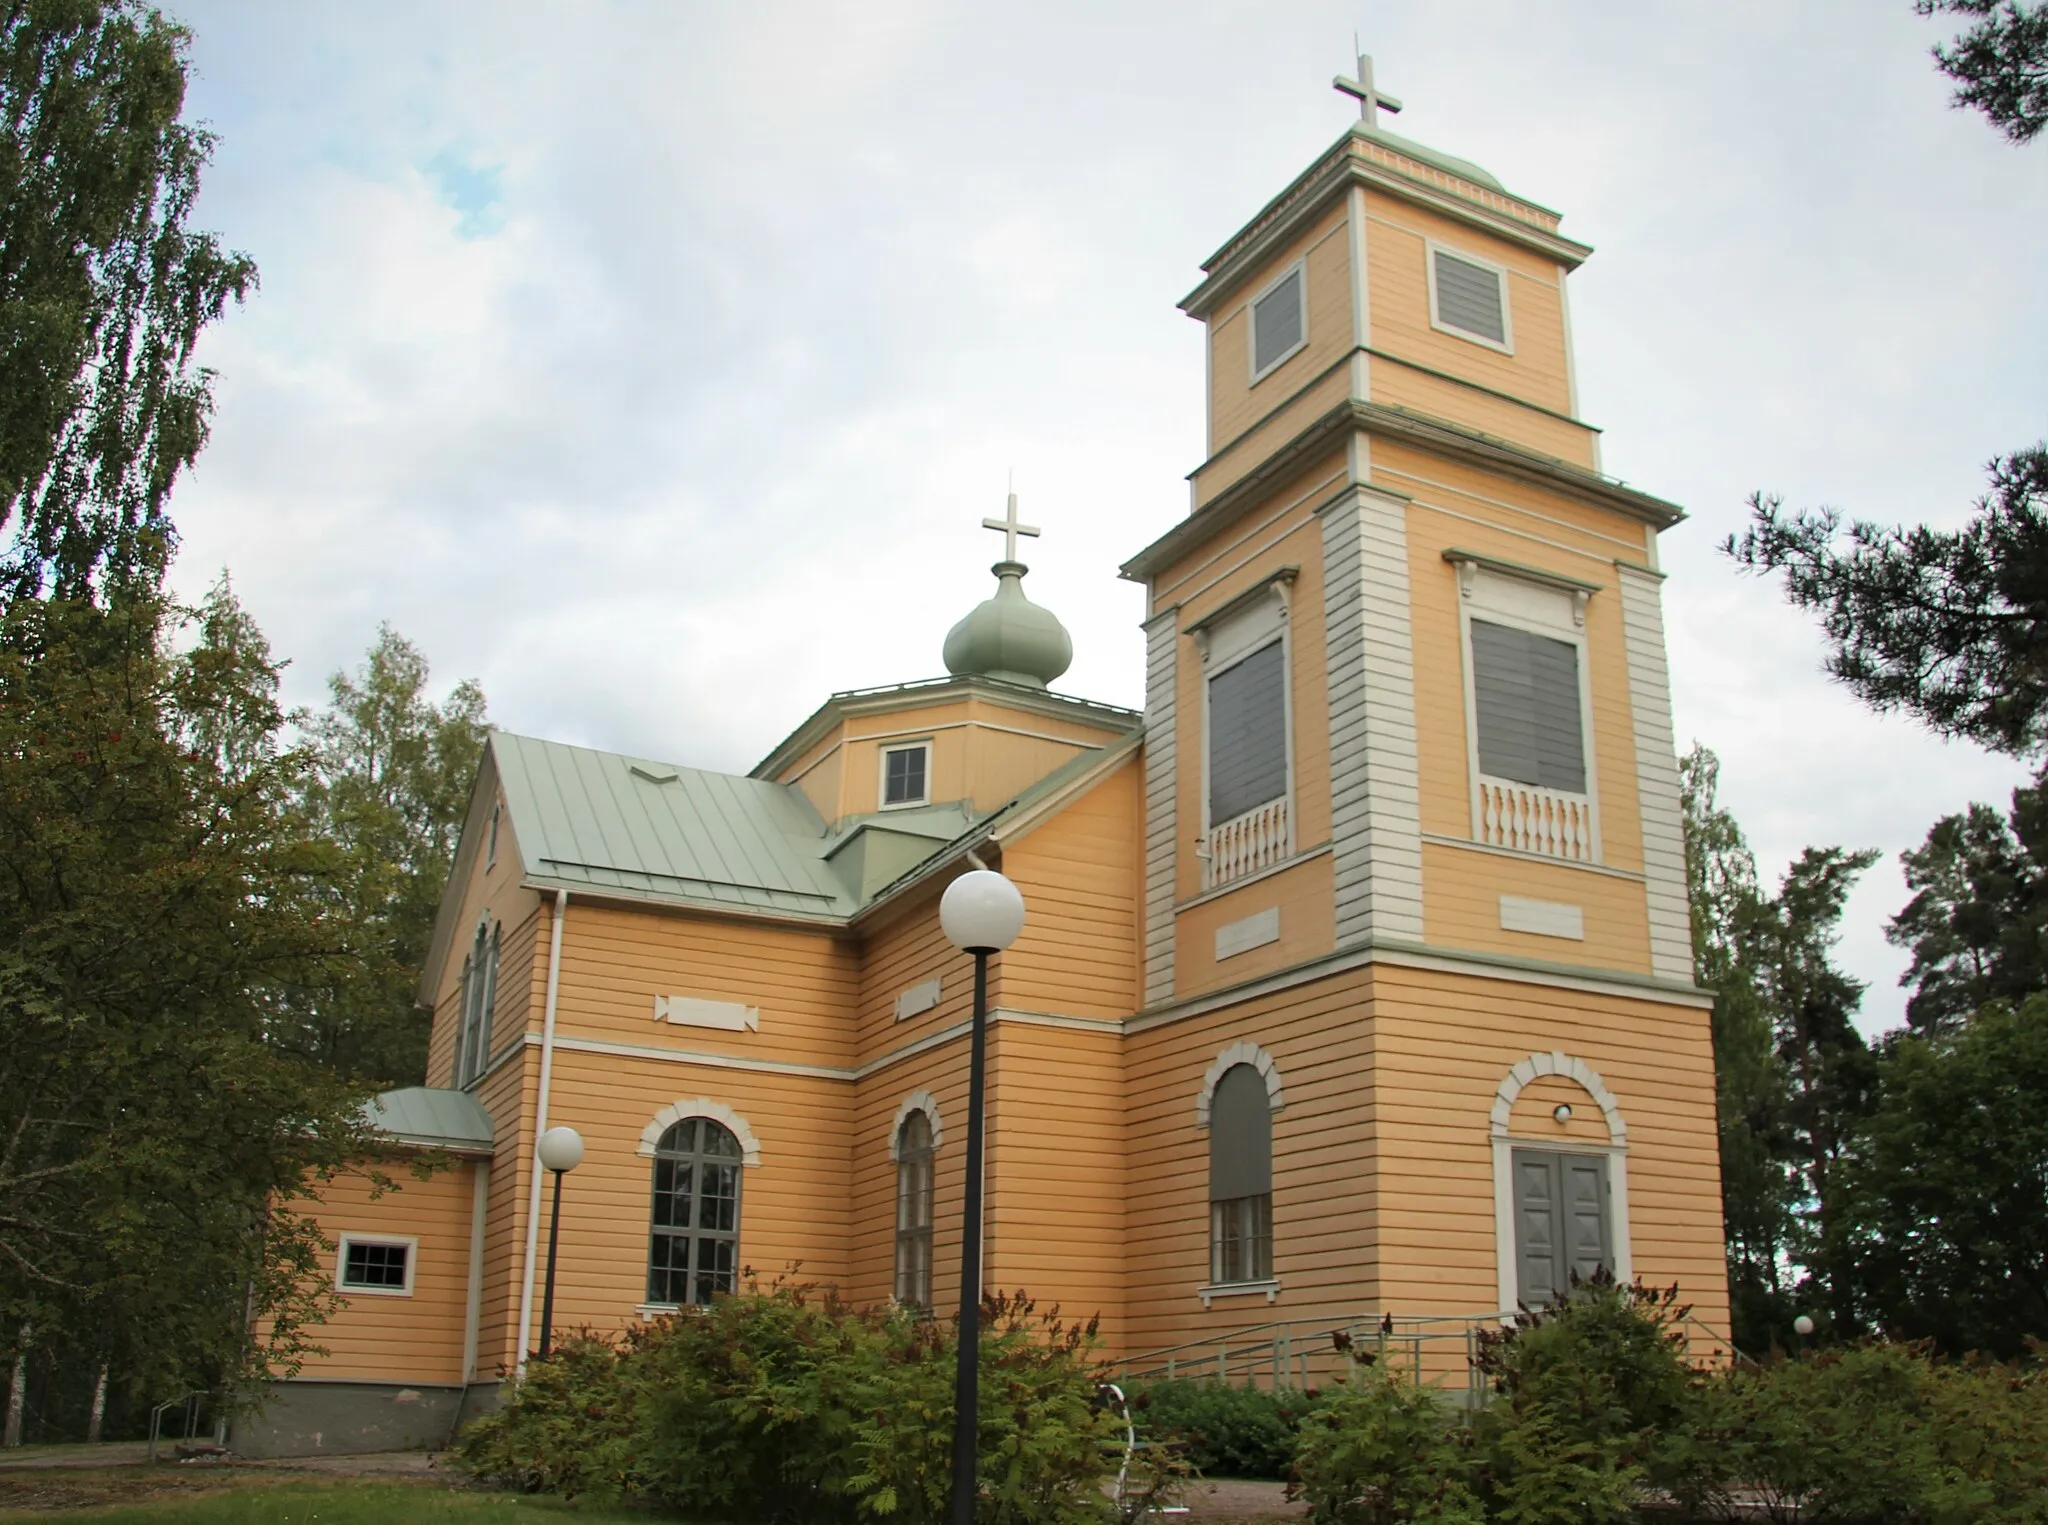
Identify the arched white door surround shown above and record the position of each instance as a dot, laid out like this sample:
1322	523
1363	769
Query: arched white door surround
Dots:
916	1101
717	1111
1230	1058
1567	1067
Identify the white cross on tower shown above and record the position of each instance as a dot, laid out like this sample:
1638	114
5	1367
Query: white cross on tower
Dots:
1010	529
1370	101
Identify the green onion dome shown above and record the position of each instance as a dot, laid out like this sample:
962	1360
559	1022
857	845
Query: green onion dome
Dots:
1009	638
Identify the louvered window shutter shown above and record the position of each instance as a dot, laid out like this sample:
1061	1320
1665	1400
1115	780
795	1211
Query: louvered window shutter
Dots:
1468	297
1276	322
1526	688
1247	735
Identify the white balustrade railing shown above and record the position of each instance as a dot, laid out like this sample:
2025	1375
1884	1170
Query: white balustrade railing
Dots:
1256	840
1534	820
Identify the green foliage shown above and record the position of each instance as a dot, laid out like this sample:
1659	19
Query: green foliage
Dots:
103	290
1978	920
1533	1469
158	907
1597	1380
1950	626
1792	1072
1945	1223
2000	63
1379	1450
1225	1431
389	786
1875	1432
790	1406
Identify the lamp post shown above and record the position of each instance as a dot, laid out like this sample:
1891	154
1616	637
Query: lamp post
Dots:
559	1150
982	913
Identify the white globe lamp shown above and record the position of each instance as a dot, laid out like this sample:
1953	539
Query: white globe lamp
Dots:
982	912
561	1149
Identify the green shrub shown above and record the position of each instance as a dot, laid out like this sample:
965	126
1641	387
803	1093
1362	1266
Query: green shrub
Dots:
1378	1450
1224	1431
1605	1366
567	1429
1876	1432
1535	1467
788	1407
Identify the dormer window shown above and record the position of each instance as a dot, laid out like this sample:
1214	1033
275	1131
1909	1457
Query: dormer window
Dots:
906	775
1279	319
1469	297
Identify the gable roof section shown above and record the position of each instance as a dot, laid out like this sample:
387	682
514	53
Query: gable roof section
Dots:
590	820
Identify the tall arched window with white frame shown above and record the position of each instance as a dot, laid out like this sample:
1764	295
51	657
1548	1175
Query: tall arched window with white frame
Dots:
1240	1178
693	1249
915	1153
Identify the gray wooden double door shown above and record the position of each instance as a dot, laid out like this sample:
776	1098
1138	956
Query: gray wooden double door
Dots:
1563	1222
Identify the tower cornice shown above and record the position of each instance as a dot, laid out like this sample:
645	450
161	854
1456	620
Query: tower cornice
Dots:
1364	157
1432	434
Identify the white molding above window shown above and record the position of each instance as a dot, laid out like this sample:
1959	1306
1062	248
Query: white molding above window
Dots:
882	755
916	1101
411	1245
1506	343
1298	271
1240	1053
717	1111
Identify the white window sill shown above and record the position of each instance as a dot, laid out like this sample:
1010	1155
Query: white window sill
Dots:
663	1310
1270	1287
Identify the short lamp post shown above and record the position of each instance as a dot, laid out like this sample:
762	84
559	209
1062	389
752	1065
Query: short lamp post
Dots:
982	912
560	1150
1803	1327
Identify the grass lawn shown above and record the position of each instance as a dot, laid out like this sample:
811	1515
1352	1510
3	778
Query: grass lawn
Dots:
252	1496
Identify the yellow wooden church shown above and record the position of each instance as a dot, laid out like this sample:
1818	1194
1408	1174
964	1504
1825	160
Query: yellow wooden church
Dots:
1357	974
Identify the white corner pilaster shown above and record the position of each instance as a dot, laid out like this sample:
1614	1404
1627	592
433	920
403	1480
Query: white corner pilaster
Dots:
1649	699
1375	796
1162	640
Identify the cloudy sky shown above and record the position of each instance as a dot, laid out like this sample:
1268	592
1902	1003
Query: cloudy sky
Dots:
655	363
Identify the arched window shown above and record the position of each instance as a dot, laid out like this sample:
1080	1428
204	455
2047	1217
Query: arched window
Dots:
1240	1178
914	1152
694	1250
479	1000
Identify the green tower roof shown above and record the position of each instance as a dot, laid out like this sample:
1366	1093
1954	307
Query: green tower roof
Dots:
1008	637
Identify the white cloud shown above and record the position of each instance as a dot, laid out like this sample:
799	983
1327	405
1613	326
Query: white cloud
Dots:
656	364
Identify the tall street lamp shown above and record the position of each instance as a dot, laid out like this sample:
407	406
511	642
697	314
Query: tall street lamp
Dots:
982	912
559	1150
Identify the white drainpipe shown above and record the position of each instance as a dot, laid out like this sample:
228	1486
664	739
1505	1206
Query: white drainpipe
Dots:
540	1123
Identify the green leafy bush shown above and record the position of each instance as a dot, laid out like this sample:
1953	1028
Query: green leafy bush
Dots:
1599	1377
1378	1450
1876	1432
788	1407
567	1429
1224	1431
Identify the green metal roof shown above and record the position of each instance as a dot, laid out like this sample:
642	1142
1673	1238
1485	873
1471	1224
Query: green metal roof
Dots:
435	1119
1427	155
594	820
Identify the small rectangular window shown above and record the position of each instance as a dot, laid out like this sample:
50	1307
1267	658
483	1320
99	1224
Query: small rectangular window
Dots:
1277	323
376	1265
1471	298
1525	689
1247	735
905	775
